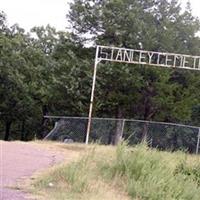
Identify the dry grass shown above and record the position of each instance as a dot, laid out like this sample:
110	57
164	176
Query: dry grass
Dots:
105	172
52	185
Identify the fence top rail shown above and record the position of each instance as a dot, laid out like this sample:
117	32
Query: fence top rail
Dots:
120	119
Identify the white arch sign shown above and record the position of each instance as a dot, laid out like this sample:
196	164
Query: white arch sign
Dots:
132	56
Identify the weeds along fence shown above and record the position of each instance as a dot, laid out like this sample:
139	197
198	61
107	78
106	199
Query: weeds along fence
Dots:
164	136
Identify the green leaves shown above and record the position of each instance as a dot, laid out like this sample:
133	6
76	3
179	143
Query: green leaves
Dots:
147	93
53	70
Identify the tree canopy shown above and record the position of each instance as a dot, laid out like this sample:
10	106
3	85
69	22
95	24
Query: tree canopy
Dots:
50	72
142	92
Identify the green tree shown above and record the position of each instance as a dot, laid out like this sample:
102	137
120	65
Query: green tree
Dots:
136	91
15	101
23	77
66	76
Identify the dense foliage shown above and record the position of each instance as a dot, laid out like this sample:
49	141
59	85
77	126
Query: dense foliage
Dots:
50	72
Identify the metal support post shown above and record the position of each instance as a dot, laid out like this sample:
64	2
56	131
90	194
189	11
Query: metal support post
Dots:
198	142
92	96
122	132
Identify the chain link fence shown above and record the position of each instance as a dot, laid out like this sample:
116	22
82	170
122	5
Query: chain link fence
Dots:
164	136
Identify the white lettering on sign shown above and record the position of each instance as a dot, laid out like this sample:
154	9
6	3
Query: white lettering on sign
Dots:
148	58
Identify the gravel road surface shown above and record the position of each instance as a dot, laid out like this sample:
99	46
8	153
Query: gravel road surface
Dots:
18	162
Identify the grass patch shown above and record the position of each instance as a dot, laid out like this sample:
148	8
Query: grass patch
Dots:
149	174
66	181
136	173
190	172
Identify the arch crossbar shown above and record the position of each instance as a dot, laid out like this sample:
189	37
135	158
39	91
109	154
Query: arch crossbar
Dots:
142	57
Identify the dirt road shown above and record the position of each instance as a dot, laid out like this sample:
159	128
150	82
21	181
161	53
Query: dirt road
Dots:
19	161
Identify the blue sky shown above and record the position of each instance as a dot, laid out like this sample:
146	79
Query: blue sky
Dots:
28	13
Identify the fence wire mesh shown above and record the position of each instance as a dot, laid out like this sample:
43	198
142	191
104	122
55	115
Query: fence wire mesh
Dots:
164	136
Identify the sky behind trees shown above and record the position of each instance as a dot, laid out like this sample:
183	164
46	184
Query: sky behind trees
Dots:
36	12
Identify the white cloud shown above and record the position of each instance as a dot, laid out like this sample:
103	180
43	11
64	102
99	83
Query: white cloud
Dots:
29	13
195	6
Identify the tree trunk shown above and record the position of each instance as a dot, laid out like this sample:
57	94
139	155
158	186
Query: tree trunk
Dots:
117	137
110	137
149	110
118	133
175	137
23	137
145	132
43	132
85	130
7	130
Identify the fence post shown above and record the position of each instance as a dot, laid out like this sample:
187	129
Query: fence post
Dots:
198	142
122	131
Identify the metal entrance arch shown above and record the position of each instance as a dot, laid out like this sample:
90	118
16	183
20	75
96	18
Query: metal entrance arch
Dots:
132	56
